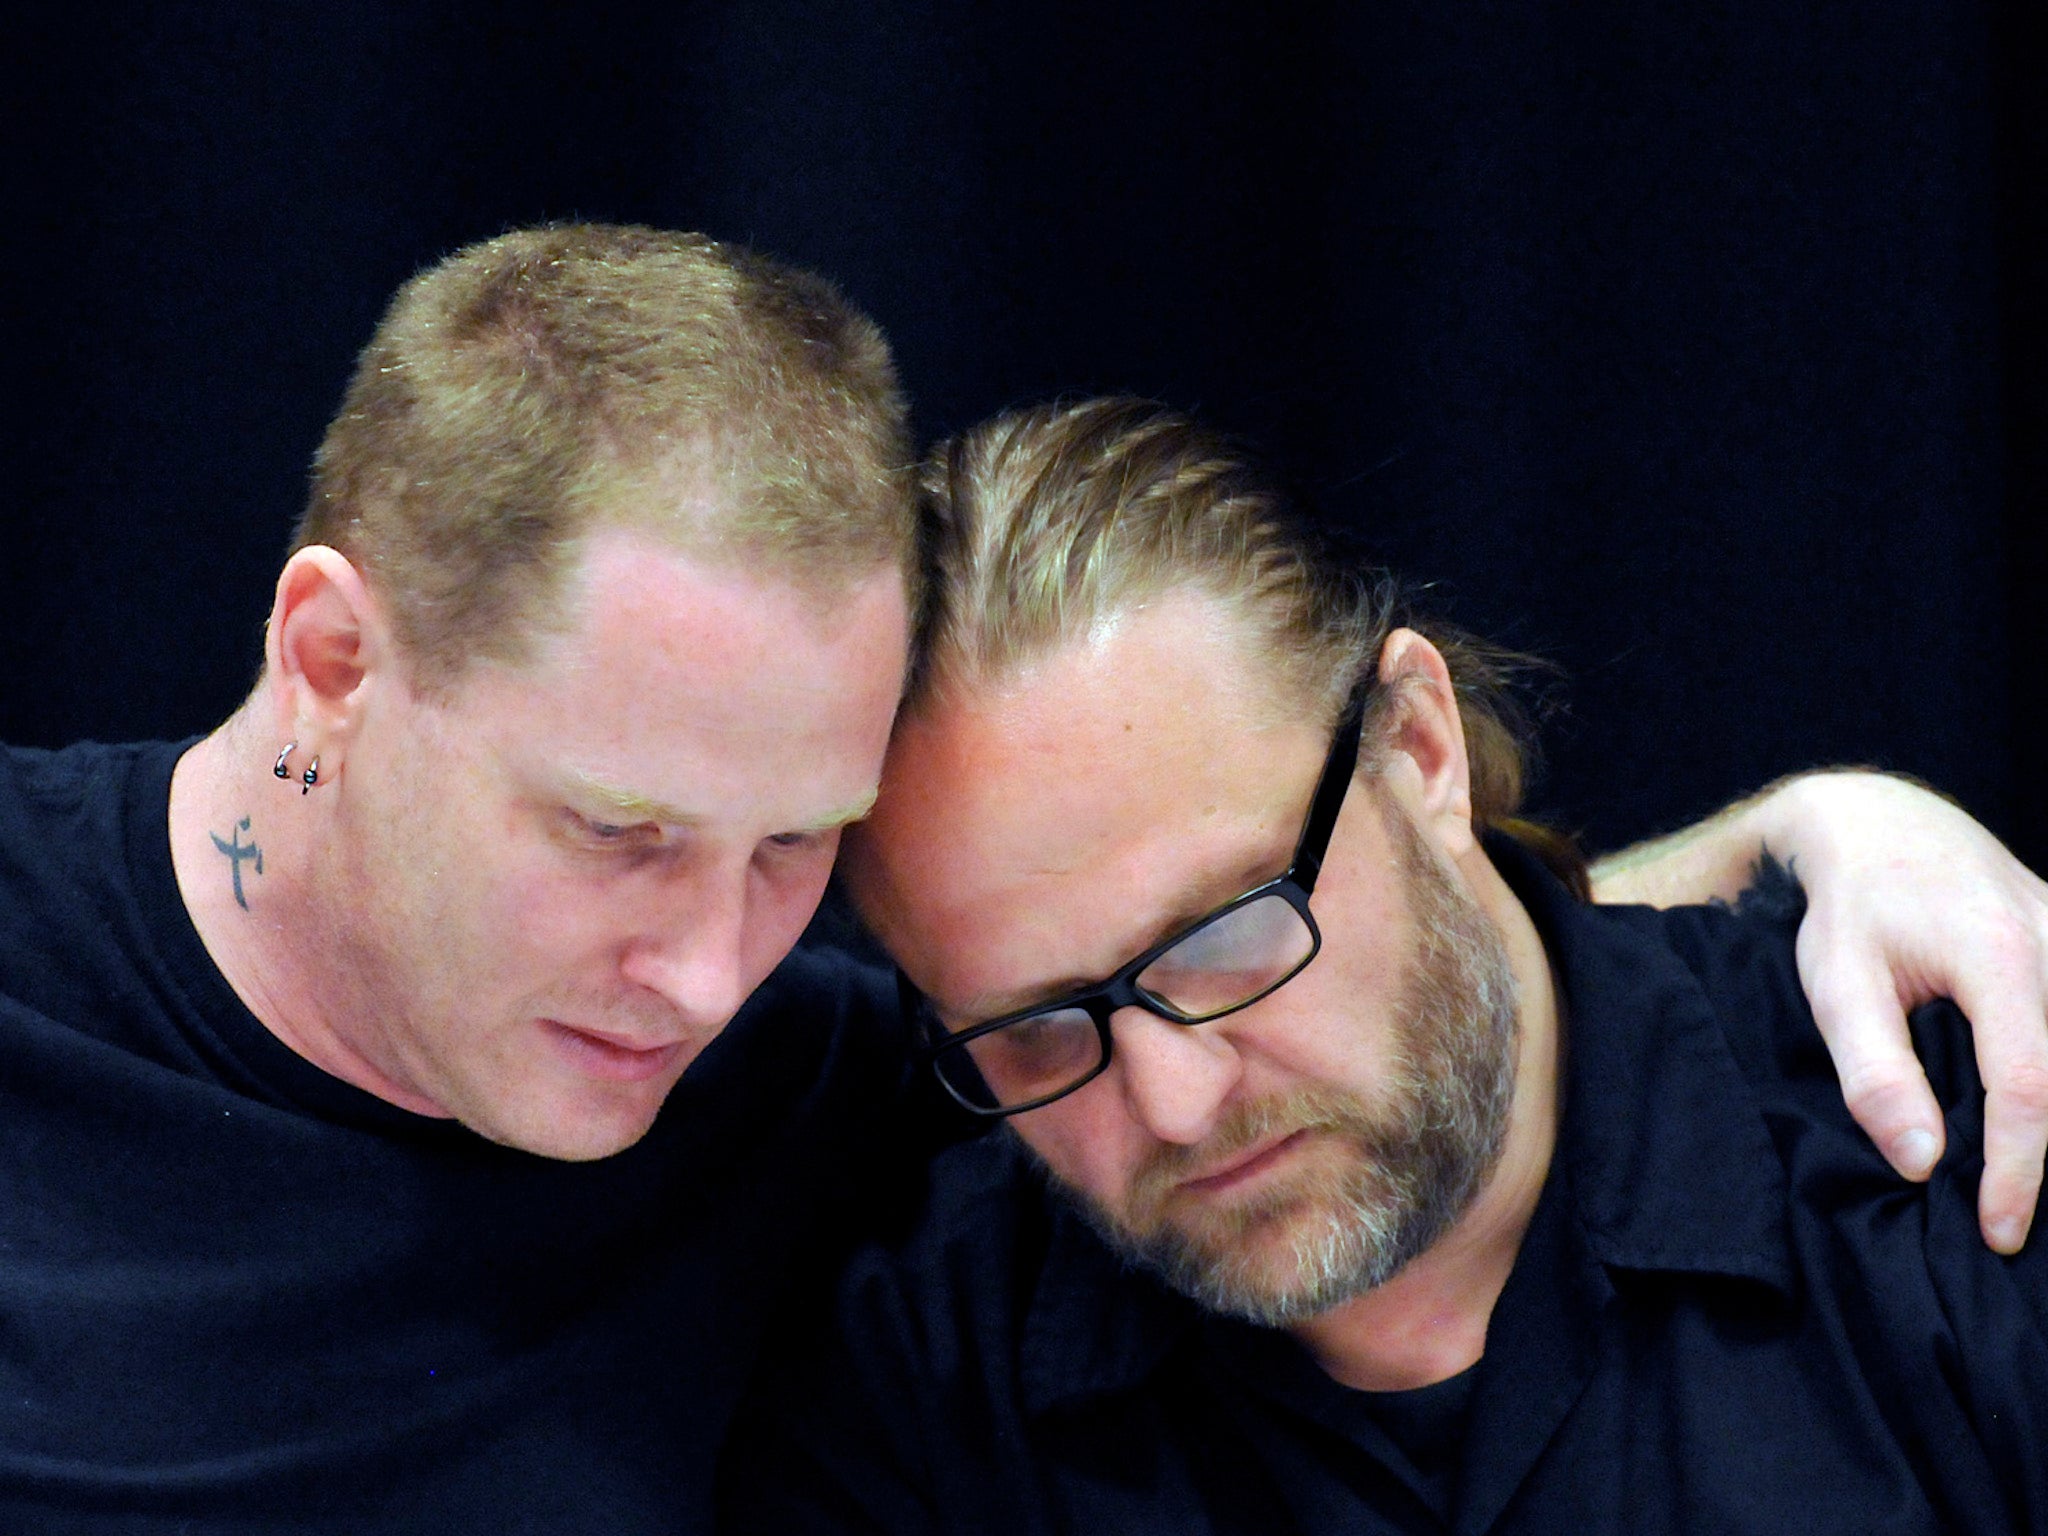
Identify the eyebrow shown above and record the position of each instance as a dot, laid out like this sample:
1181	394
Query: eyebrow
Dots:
632	806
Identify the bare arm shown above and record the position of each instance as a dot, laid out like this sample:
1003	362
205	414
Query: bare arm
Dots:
1908	899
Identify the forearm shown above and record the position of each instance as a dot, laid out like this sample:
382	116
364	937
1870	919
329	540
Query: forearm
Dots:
1712	860
1706	861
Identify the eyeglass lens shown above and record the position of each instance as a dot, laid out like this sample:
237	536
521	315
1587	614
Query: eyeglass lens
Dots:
1232	959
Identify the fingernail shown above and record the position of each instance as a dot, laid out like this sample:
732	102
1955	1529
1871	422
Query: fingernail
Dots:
1914	1153
2008	1234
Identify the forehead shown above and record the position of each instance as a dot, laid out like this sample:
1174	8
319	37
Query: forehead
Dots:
1047	825
693	683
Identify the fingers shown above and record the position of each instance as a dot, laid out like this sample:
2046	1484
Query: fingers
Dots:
1857	1008
1909	900
1859	1016
2012	1177
2012	1055
2003	994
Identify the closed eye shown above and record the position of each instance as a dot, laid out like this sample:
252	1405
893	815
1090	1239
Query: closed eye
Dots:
610	834
811	839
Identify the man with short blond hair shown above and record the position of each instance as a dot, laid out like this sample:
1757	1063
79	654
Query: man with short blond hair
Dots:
356	1183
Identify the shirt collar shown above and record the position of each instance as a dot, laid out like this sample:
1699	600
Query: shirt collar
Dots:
1672	1167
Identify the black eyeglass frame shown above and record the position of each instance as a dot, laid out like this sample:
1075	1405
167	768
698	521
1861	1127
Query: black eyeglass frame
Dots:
1100	1000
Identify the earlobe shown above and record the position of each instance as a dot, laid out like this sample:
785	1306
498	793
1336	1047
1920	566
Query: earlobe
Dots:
1426	736
324	639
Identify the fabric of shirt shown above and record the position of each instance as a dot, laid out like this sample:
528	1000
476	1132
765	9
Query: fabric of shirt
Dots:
1728	1315
240	1295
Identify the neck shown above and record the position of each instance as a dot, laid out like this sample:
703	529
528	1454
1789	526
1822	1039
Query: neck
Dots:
247	849
238	847
1429	1322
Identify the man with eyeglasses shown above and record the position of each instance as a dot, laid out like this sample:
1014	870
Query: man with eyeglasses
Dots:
1363	1176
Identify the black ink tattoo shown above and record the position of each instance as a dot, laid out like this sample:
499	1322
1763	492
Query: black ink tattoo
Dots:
238	852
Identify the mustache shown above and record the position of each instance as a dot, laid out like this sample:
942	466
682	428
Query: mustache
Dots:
1167	1165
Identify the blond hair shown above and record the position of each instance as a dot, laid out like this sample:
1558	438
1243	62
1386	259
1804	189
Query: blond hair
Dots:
1043	522
532	386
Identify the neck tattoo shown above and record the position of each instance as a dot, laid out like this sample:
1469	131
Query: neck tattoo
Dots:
237	854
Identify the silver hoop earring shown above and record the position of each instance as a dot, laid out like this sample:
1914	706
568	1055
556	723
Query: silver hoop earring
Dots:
280	770
311	777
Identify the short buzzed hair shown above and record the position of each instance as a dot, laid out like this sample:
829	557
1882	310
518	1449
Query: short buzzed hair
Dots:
534	386
1043	523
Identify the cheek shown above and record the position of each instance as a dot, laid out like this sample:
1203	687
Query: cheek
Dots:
1337	1021
797	891
1084	1142
784	897
545	918
1335	1030
1339	1037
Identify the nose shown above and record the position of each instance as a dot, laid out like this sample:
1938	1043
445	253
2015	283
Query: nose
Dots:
692	953
1176	1078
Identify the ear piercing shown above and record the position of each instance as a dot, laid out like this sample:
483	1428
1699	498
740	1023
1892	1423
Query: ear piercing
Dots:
307	779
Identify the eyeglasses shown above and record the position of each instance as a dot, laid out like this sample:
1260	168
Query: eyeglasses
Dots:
1246	949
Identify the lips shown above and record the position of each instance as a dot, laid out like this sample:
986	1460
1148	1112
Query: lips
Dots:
1245	1166
612	1057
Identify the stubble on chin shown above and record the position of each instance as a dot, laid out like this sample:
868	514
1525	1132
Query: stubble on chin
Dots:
1376	1181
1339	1218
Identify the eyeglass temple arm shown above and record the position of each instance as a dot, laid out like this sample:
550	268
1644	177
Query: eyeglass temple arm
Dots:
1330	791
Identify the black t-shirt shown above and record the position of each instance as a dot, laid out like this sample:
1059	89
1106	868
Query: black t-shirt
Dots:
237	1294
1727	1315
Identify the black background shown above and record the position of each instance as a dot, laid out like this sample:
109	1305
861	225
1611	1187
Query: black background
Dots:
1697	347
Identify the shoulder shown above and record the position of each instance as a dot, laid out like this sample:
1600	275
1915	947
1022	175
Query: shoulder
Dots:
998	1302
965	1260
38	783
934	1306
899	1402
1909	1243
825	1024
1744	951
80	830
1675	997
83	806
1745	959
1666	980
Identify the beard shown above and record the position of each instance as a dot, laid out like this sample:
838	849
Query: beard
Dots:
1379	1180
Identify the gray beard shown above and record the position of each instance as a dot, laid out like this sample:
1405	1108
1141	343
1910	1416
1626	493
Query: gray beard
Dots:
1411	1163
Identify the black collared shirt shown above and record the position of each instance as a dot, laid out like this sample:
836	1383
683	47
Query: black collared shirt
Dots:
1728	1315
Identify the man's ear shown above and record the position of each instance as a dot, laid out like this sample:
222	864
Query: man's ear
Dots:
1422	739
326	640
